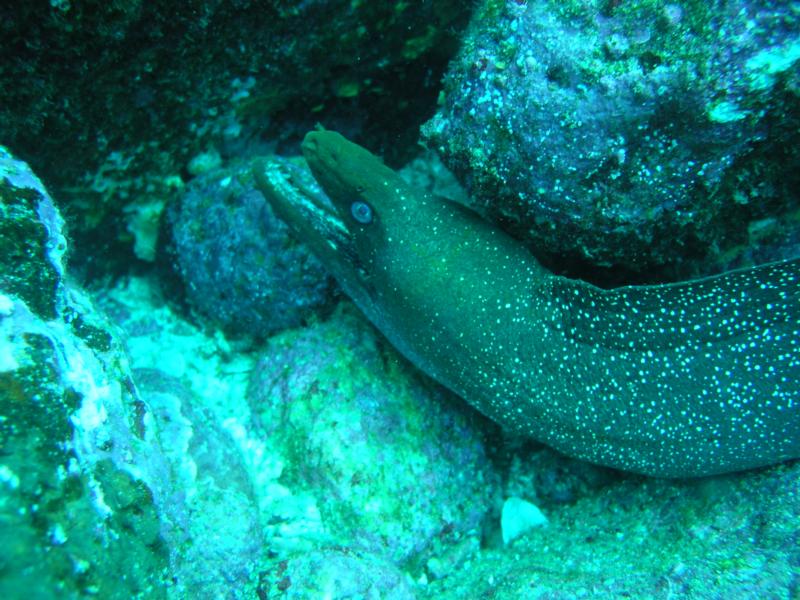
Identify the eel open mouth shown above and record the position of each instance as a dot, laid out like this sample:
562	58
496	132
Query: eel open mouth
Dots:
300	202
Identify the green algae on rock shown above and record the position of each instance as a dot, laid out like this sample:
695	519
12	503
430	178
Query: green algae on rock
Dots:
653	136
28	266
675	380
385	463
73	523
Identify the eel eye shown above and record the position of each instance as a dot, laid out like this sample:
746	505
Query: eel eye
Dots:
362	212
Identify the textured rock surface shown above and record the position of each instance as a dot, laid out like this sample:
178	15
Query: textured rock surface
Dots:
207	501
337	574
241	270
74	521
344	454
658	137
724	537
387	460
203	467
117	482
113	101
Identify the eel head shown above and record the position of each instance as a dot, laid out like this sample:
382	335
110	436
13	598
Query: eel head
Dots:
351	210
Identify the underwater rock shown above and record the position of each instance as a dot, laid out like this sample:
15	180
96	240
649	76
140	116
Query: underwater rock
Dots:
335	574
112	101
388	461
660	138
32	242
722	537
116	482
240	268
206	500
76	519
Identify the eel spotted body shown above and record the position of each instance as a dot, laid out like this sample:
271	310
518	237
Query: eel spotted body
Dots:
675	380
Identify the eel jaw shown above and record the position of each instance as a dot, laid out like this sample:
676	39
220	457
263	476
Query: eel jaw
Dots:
299	201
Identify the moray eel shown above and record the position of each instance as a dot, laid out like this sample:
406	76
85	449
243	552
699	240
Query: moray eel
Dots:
677	380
